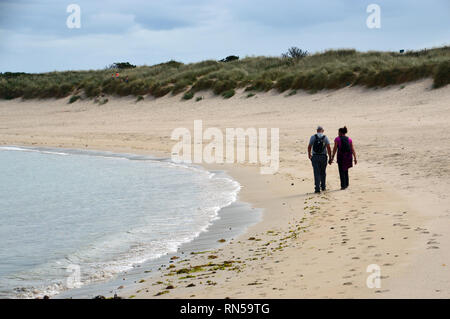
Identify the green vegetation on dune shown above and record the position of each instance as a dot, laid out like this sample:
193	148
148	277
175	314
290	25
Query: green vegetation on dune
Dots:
331	69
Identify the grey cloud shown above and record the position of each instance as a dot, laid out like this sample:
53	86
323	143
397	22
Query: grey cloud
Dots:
111	16
34	37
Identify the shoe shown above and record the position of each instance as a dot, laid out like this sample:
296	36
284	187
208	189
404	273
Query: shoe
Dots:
317	192
324	189
343	188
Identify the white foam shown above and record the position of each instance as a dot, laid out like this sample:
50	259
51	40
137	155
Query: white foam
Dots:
21	149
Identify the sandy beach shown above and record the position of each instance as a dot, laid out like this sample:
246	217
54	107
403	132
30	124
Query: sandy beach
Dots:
395	214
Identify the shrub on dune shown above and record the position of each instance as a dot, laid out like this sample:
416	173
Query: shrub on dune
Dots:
49	91
299	81
285	83
64	90
339	79
180	86
273	75
92	89
30	92
9	92
188	95
160	89
203	84
123	89
441	76
228	94
318	80
222	86
74	98
261	85
136	88
366	77
346	78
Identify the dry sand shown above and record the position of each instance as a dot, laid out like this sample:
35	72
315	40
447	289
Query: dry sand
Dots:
396	213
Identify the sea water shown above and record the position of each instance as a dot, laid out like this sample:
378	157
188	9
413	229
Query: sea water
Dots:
70	218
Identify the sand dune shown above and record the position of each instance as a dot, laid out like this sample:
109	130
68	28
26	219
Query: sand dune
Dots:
395	214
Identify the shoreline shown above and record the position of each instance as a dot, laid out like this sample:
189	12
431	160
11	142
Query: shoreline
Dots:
125	283
395	213
198	245
232	220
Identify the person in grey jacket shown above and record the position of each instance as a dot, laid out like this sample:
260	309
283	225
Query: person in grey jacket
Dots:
318	148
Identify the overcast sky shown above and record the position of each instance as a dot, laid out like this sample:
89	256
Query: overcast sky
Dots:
34	36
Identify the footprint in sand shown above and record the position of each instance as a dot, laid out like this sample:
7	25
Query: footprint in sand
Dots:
347	283
381	291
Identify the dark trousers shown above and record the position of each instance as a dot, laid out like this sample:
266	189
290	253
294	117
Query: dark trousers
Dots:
319	163
343	174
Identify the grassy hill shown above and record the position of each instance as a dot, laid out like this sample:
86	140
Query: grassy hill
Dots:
331	69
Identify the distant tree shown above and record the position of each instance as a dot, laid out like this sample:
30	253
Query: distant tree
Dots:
122	65
295	53
230	58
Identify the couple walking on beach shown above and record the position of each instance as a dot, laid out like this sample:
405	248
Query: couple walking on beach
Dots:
319	147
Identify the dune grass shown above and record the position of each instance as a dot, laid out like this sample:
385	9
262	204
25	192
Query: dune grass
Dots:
331	69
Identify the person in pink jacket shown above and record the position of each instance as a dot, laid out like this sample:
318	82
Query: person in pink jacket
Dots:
343	145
